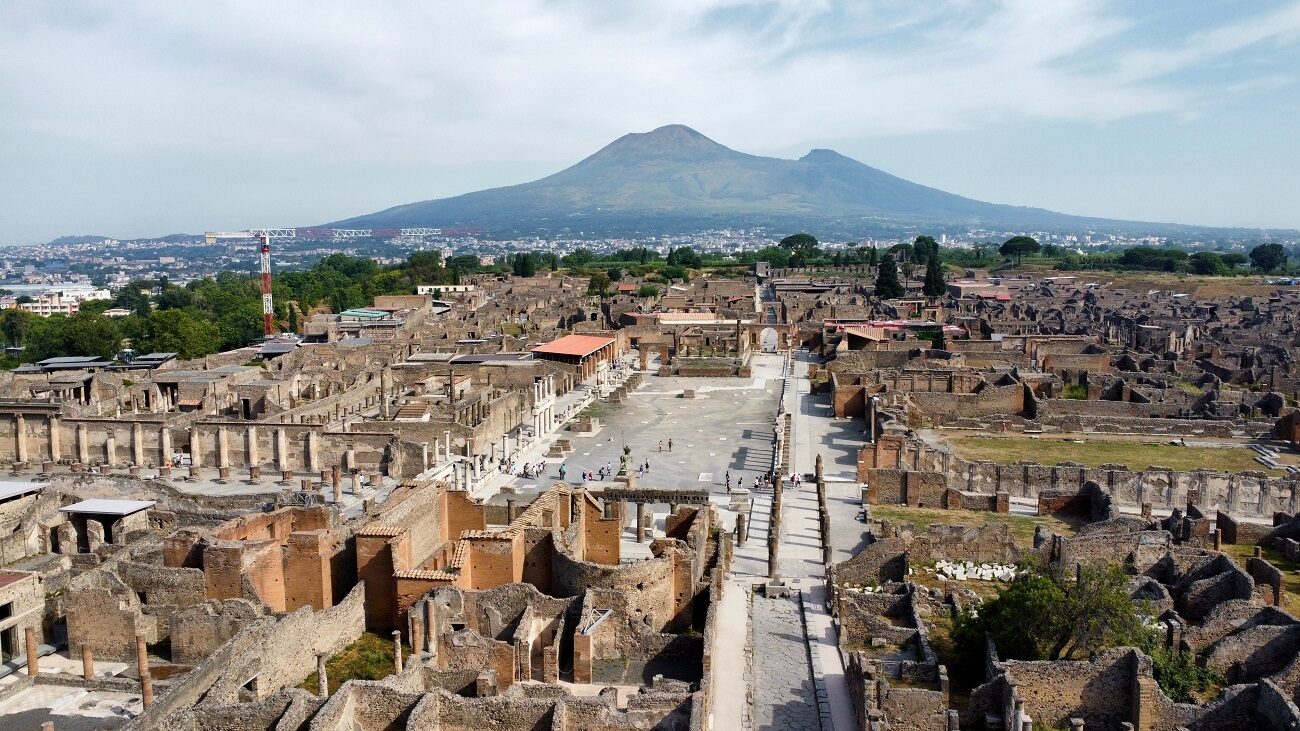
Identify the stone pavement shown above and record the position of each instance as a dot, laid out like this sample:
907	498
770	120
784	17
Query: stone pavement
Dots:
785	694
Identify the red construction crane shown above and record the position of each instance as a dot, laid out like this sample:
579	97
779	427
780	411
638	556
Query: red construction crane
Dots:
264	235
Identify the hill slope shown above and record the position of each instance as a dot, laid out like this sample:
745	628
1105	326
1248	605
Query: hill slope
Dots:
674	178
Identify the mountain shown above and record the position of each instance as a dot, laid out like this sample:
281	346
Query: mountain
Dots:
675	178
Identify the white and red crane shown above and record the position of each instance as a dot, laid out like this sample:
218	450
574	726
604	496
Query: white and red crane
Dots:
264	235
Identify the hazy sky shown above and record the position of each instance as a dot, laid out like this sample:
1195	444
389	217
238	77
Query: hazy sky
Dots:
135	118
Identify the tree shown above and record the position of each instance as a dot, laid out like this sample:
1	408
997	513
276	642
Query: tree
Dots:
647	290
1234	259
523	265
873	259
802	244
15	323
578	257
1268	257
614	274
887	284
1207	262
685	257
1019	247
935	286
923	247
598	284
1048	615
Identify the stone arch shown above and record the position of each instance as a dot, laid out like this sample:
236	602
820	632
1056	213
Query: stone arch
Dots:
767	340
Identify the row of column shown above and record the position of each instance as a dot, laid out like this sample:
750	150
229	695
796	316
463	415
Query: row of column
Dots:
22	449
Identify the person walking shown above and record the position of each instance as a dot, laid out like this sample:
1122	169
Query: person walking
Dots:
647	466
563	470
661	445
670	445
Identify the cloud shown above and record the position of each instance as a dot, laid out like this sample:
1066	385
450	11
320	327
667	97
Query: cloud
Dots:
406	81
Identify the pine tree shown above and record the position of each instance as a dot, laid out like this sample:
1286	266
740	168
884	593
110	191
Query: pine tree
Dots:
887	284
934	283
874	258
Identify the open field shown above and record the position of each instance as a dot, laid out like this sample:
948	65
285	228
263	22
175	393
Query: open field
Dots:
1094	452
1022	526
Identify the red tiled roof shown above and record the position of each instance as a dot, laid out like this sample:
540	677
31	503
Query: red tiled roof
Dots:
574	345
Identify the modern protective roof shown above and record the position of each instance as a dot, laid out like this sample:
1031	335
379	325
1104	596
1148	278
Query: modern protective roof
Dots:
102	506
579	345
12	488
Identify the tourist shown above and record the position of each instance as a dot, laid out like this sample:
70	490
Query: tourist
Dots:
670	445
661	445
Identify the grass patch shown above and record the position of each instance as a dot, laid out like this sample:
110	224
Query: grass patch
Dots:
369	658
1021	526
1290	579
1136	456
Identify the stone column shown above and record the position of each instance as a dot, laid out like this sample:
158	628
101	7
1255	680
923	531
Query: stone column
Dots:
640	522
253	452
742	529
142	669
83	444
356	482
337	483
313	451
196	448
322	681
33	652
446	447
20	433
87	662
56	447
164	445
350	458
282	450
110	450
417	632
137	443
223	447
397	651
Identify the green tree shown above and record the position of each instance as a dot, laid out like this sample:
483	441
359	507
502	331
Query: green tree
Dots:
887	284
1046	615
1234	259
598	284
524	265
923	247
935	286
684	257
647	290
803	244
1019	247
614	274
177	331
57	335
15	323
578	257
873	259
1207	262
1268	257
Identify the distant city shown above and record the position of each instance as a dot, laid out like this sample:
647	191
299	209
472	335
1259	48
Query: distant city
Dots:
63	272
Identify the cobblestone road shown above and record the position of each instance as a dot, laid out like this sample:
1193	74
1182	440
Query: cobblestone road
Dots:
785	698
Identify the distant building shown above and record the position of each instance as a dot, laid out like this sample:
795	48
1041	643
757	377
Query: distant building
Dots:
51	304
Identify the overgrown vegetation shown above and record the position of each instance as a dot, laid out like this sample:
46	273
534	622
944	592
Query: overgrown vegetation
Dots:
1075	391
369	658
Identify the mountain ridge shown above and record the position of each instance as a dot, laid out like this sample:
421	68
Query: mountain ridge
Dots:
674	177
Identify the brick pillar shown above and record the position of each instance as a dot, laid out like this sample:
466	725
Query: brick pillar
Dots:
142	669
33	654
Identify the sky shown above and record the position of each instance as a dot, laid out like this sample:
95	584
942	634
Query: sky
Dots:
134	118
